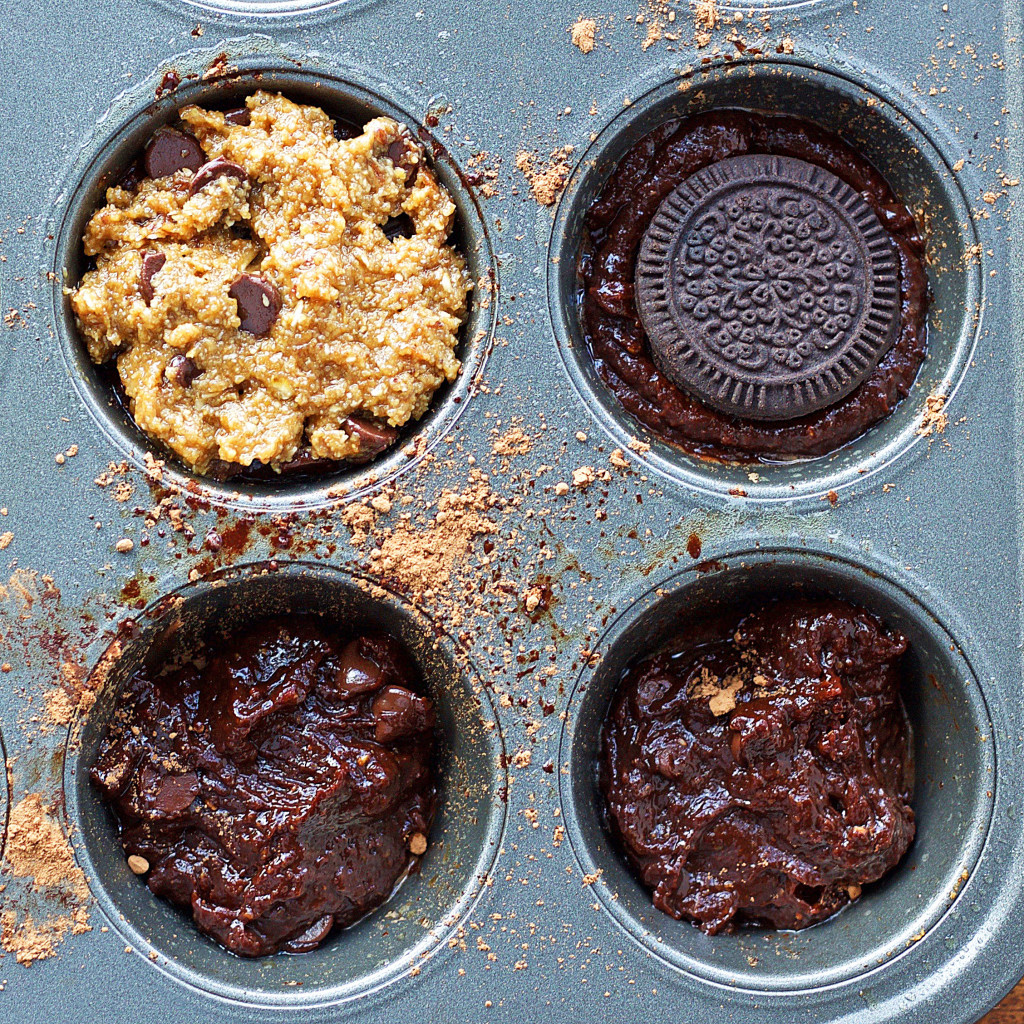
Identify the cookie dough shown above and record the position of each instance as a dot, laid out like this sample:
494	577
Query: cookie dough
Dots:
758	769
271	292
276	787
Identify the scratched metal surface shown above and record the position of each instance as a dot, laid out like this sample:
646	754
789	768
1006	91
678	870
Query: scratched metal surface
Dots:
926	531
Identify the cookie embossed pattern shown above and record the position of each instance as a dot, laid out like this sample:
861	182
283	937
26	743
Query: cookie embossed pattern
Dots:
768	287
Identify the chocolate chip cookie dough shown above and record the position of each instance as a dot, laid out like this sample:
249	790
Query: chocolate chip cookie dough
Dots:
276	787
758	769
272	293
776	282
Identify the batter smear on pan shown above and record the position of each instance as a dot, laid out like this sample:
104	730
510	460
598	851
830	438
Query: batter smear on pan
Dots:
273	294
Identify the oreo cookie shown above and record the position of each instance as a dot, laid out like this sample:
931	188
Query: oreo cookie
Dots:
767	287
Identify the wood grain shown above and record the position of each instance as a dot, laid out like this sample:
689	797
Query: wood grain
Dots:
1009	1011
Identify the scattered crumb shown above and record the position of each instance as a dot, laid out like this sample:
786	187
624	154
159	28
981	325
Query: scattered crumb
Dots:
583	477
138	865
583	33
547	180
933	419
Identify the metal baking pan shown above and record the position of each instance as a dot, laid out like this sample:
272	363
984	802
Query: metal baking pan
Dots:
522	906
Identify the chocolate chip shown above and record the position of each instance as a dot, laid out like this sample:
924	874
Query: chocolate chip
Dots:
240	116
132	176
399	712
767	287
216	168
259	303
356	672
373	437
170	151
311	937
182	370
402	225
152	263
404	153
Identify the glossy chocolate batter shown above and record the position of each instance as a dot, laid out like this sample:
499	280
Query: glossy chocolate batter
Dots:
758	770
616	224
278	786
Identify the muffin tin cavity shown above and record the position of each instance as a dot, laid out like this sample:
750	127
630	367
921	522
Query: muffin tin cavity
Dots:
952	800
918	174
427	905
346	101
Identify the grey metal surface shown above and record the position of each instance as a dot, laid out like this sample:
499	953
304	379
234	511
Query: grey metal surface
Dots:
924	530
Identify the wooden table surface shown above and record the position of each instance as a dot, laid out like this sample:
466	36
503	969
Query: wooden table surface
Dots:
1010	1010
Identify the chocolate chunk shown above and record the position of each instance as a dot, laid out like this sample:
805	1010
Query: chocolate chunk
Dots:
152	263
240	116
767	287
356	672
182	370
399	712
259	303
373	437
311	937
216	168
404	153
172	794
401	225
170	151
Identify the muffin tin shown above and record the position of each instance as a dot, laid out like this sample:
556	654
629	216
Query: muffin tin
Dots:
522	907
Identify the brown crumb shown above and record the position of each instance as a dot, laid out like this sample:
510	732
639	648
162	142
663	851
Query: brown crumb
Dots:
583	33
417	844
5	539
719	693
124	545
583	477
547	180
512	443
522	758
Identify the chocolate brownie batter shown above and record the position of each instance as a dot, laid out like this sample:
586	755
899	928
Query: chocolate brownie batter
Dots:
620	348
277	786
758	769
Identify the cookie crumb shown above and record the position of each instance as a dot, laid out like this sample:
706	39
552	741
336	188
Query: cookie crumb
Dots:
547	180
417	844
933	419
582	34
583	477
124	545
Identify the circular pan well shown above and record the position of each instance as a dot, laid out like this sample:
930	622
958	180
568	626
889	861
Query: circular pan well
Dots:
429	904
919	175
952	799
105	158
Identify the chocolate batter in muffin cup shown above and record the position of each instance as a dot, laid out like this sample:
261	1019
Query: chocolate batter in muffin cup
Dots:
775	342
